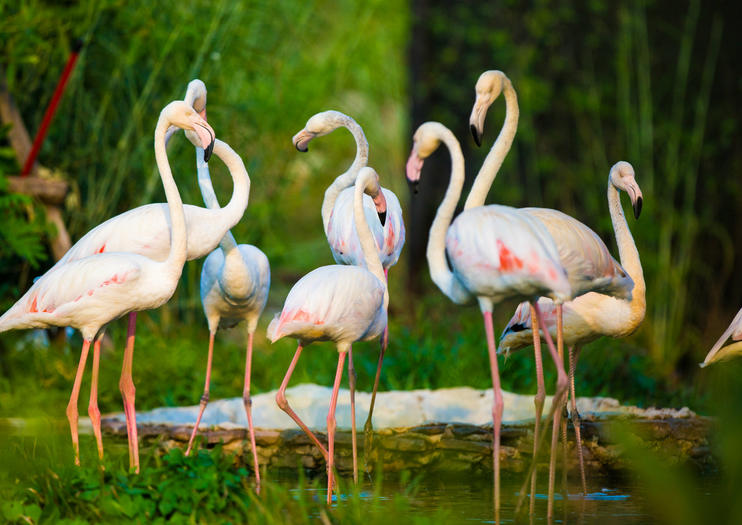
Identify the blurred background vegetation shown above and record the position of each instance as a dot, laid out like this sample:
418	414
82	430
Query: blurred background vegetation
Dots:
653	83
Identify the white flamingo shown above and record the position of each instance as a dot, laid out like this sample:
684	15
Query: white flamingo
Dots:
337	218
235	280
343	304
589	264
496	253
719	352
89	292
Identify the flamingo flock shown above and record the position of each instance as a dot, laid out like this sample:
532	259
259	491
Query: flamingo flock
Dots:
571	289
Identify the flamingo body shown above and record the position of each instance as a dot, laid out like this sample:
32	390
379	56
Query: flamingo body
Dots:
342	236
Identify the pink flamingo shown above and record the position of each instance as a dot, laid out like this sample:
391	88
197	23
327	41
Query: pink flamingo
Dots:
589	264
235	280
717	353
343	304
340	229
89	292
592	315
496	253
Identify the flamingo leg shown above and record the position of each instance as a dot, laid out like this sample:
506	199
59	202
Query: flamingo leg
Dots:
247	401
283	404
575	415
331	423
557	408
561	388
352	385
93	410
368	427
205	397
128	392
497	406
538	400
72	414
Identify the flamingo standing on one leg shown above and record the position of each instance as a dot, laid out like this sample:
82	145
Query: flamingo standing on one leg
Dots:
592	315
91	291
589	264
496	252
717	353
343	304
337	218
235	280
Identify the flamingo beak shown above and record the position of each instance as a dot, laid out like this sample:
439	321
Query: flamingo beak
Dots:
301	140
206	135
380	203
414	167
635	194
476	120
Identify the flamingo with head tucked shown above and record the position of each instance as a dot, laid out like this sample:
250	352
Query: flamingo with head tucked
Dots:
235	280
88	292
340	228
343	304
496	253
589	264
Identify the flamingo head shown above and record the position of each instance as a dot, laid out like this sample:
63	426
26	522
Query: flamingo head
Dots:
368	179
424	142
487	89
183	116
196	97
318	125
622	177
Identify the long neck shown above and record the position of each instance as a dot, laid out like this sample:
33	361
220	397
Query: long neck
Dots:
228	242
500	148
368	244
230	214
436	251
177	256
346	179
627	251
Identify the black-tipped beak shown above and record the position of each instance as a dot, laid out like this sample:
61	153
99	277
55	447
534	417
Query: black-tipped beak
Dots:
637	207
301	147
208	151
413	185
382	217
477	135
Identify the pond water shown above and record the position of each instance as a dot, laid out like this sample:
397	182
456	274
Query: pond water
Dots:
469	499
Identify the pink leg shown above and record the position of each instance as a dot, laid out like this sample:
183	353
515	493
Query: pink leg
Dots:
331	426
205	396
248	409
497	406
575	416
93	411
126	386
560	390
557	408
352	385
368	426
283	404
538	400
72	405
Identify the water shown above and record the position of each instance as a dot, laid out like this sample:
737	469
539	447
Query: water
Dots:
469	498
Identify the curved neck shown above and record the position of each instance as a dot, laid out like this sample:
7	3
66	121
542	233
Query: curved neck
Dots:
500	148
366	238
346	179
627	251
177	256
235	208
436	251
228	242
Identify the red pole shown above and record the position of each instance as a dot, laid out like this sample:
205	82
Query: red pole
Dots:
52	108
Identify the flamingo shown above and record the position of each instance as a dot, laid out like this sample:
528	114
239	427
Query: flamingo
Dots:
496	253
337	219
235	280
717	353
343	304
589	264
593	314
89	292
